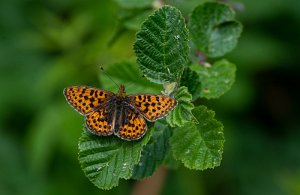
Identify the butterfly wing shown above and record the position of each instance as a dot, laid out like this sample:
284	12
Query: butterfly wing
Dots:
131	125
86	99
153	107
101	121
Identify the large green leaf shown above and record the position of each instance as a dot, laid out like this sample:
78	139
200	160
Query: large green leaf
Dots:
162	46
182	112
127	73
105	160
213	29
154	152
199	145
216	79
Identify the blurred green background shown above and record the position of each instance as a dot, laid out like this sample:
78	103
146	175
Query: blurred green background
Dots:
48	45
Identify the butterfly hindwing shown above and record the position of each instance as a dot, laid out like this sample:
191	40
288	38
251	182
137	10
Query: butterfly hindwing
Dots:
86	99
132	125
153	107
101	122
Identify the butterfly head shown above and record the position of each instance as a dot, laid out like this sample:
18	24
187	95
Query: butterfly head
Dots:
121	92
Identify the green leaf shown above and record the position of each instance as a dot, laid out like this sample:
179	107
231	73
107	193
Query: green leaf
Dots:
168	88
162	46
182	112
199	146
154	152
216	79
213	29
127	73
190	79
105	160
130	4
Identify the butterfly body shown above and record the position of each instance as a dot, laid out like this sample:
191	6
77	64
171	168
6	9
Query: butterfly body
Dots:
107	113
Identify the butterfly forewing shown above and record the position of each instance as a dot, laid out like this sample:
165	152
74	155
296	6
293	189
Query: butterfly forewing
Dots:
132	125
86	99
101	121
153	107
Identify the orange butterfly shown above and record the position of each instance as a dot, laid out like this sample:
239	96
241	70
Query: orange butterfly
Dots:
124	115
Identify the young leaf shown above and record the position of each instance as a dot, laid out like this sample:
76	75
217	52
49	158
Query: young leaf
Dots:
127	73
105	160
182	112
199	146
161	45
216	79
168	88
213	29
154	152
190	79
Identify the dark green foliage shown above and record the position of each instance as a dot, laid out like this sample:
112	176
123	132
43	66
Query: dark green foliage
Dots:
190	79
154	153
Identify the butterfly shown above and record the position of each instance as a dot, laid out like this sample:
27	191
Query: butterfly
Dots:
107	113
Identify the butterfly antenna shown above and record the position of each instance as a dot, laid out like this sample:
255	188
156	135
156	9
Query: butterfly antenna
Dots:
102	69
